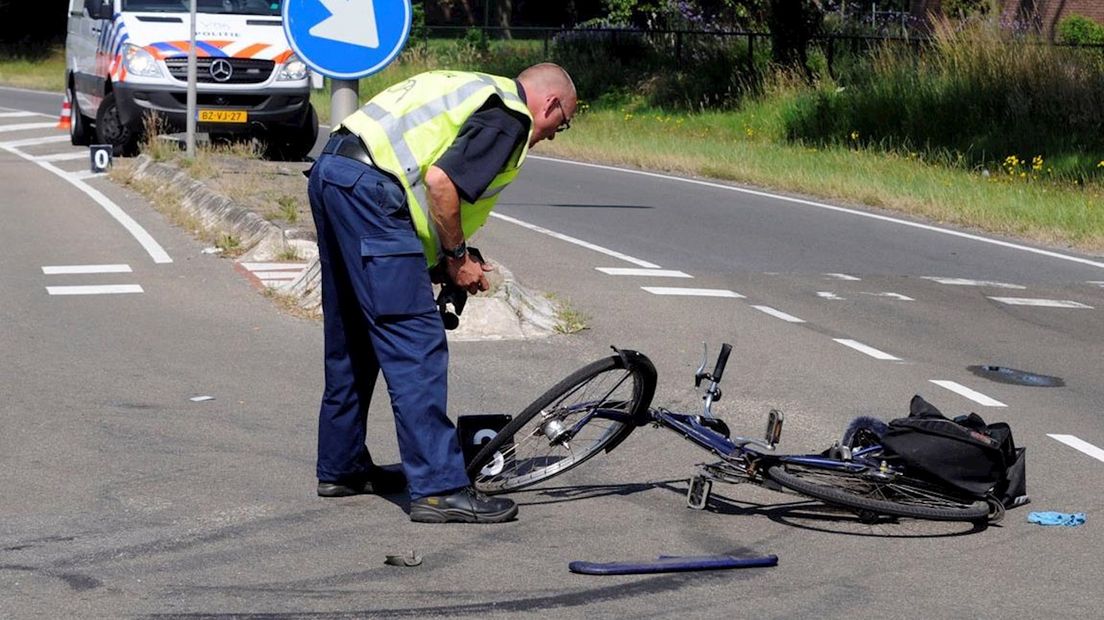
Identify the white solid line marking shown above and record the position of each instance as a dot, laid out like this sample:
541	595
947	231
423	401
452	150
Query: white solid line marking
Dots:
896	296
107	289
654	273
579	242
19	114
78	269
1042	303
778	314
1080	444
154	249
843	276
15	144
63	156
692	292
966	282
871	351
821	205
273	266
26	127
830	295
973	395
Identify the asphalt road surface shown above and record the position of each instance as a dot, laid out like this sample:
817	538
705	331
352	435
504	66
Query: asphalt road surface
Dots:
158	419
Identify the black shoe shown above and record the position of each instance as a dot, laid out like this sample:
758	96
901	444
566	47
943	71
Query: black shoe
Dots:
464	506
376	481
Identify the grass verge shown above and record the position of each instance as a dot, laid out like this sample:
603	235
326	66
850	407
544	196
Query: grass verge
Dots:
35	73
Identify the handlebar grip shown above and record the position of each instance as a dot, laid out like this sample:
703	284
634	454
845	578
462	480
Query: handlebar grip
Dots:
722	359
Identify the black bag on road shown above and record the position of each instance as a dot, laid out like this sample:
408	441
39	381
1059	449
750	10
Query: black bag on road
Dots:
965	454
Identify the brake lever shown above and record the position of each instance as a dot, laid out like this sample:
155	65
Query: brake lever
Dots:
700	373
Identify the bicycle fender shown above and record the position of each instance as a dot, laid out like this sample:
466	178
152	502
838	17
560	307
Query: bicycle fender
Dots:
671	564
636	359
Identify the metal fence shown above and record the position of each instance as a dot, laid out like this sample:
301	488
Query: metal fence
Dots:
755	46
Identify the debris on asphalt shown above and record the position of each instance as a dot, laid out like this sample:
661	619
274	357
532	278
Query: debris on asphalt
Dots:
404	560
211	250
1066	519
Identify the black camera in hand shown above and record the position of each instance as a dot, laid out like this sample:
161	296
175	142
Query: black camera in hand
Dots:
451	294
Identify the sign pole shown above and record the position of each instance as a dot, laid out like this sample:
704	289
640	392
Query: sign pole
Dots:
344	99
192	85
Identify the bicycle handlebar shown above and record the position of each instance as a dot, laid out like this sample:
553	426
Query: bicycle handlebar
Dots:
722	359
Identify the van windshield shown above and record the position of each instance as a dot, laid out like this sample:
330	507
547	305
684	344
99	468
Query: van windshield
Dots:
239	7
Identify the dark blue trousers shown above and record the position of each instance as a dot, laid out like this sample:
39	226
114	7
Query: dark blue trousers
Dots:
379	313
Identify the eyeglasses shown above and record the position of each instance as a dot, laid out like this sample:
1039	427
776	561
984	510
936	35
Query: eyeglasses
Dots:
566	123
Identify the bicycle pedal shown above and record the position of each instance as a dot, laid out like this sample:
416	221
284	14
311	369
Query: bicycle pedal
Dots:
697	496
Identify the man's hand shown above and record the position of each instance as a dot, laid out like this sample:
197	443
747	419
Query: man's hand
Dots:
468	273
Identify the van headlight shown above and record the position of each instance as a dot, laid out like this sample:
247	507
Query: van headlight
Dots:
140	62
293	69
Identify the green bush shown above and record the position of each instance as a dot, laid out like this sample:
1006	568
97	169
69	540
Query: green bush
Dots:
973	98
1078	30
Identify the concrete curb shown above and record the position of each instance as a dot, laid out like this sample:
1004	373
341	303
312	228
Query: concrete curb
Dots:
511	312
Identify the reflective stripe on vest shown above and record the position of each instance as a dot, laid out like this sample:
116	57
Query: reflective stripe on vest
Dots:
407	127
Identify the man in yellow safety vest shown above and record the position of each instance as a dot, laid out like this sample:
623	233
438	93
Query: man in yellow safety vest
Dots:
400	186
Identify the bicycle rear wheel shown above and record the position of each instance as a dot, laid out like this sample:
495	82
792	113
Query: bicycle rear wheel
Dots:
888	495
593	409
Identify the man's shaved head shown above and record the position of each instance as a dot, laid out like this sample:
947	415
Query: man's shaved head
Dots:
551	98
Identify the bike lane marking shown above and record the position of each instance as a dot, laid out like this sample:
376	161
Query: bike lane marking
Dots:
828	207
966	392
868	350
1080	445
148	243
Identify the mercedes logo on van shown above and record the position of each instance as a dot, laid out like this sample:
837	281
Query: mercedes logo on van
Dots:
221	70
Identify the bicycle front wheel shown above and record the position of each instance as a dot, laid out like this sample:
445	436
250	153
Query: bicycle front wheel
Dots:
868	491
592	409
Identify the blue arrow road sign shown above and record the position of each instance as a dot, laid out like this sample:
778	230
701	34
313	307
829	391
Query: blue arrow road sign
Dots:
347	39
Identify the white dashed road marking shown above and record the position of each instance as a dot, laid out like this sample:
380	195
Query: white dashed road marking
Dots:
830	295
108	289
778	314
896	296
1099	283
1042	303
965	282
26	126
868	350
973	395
692	292
63	156
652	273
843	276
15	144
19	114
83	269
1080	444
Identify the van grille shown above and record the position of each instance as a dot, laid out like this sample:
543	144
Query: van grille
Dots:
245	70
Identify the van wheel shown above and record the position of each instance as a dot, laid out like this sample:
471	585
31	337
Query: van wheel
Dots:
111	130
80	134
293	143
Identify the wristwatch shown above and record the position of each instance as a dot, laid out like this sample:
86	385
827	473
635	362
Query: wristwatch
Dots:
457	252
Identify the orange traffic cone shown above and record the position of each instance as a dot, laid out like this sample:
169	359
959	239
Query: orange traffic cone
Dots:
66	118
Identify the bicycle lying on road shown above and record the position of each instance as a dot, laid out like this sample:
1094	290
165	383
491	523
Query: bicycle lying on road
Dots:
599	405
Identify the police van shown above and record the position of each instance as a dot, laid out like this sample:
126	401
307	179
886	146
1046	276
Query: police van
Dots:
126	59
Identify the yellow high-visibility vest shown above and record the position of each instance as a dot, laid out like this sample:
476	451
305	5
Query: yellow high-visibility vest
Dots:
409	126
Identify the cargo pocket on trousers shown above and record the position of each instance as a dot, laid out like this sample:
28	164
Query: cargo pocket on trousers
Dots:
398	281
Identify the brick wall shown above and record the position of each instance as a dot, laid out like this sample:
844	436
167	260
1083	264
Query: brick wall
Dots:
1043	15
